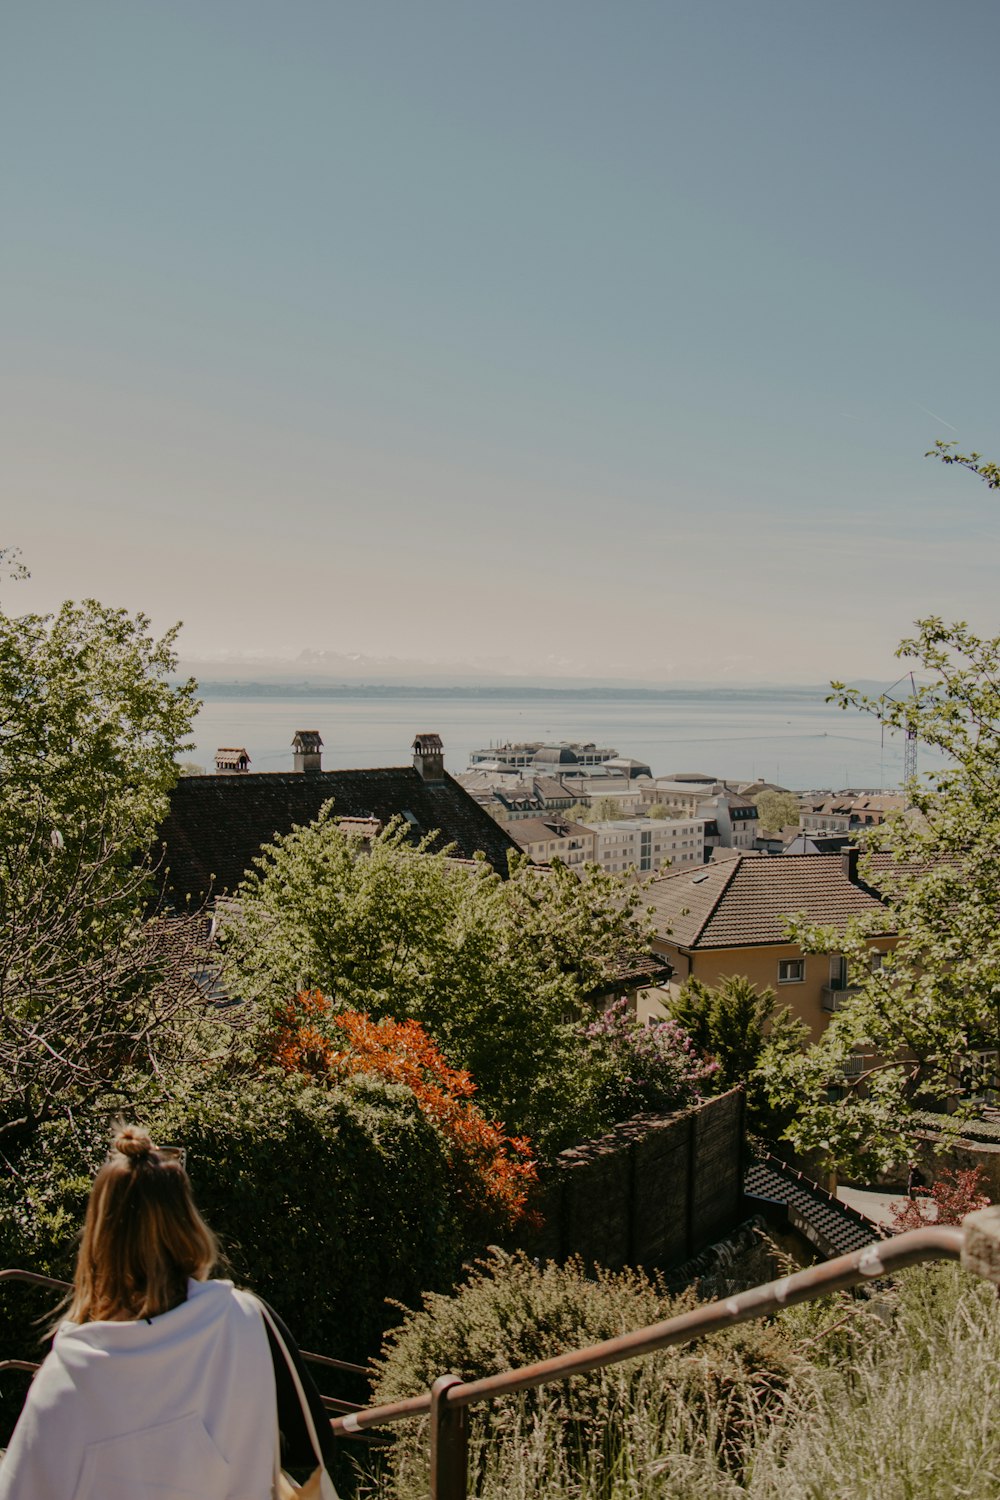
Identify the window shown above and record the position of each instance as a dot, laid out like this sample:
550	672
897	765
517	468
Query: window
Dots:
791	970
876	960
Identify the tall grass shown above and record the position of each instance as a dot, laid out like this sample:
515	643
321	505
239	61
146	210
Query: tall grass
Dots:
900	1406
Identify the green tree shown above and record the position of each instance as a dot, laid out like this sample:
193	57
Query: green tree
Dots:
935	1000
926	1011
988	472
744	1030
606	809
89	729
776	810
496	970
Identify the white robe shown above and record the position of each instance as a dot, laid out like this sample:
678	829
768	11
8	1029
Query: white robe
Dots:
178	1408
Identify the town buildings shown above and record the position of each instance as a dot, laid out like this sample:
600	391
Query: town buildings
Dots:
546	839
617	845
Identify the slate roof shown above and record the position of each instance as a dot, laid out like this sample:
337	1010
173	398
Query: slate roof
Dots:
217	825
744	901
833	1227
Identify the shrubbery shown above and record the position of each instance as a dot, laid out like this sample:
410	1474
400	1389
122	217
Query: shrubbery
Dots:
510	1312
631	1068
826	1401
497	971
328	1201
492	1173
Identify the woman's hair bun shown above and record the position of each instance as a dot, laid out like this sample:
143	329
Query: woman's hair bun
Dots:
134	1143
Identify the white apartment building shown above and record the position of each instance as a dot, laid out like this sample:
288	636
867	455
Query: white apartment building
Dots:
647	844
546	839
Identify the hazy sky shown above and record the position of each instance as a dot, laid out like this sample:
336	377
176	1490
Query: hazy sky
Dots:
605	331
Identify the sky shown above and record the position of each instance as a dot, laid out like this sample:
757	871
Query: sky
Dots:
552	336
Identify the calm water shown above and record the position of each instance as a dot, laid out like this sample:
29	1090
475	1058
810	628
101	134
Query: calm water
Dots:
785	735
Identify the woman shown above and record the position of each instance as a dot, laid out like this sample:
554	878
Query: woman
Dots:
160	1384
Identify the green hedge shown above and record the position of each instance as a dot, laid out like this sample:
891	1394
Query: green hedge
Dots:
328	1201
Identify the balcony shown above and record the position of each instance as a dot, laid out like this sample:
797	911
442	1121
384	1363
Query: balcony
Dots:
833	995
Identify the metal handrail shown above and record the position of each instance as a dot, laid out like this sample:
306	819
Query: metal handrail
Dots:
35	1279
976	1244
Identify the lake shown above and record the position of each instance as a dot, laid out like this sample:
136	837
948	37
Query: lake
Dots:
789	736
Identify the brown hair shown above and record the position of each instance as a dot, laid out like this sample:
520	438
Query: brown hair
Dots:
142	1236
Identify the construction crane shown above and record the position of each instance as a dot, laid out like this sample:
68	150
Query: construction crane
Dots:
910	743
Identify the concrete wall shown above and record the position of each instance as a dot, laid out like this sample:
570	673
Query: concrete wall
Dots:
653	1192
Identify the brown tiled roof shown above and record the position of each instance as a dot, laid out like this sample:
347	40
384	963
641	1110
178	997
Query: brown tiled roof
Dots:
551	786
744	901
217	825
536	830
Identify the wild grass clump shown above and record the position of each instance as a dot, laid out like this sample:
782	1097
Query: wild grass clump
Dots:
914	1417
609	1426
894	1397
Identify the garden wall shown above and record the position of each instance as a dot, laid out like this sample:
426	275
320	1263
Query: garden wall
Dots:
652	1192
959	1154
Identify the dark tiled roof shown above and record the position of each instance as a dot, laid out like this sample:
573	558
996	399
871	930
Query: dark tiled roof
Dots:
833	1227
745	901
632	969
217	825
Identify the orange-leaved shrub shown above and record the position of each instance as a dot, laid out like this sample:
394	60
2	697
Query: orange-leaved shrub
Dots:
494	1172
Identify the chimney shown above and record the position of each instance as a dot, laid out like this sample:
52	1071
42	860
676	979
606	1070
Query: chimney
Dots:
231	760
428	757
849	862
308	749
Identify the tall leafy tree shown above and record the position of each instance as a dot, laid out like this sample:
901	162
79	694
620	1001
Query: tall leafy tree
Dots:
924	1014
89	729
497	970
747	1033
776	810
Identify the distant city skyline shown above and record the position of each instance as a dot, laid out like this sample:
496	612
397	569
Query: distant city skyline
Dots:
596	342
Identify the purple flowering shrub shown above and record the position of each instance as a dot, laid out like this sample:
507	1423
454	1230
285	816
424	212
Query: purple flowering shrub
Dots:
635	1067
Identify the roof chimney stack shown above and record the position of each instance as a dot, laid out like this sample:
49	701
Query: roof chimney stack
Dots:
308	749
231	760
428	757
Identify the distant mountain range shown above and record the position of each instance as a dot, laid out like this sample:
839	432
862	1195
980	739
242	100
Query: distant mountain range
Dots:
323	670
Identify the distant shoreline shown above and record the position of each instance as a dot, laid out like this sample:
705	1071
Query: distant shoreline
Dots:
307	689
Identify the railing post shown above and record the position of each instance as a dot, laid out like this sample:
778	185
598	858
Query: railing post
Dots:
449	1443
981	1243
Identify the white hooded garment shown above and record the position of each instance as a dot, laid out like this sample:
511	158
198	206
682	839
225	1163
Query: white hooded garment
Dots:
178	1408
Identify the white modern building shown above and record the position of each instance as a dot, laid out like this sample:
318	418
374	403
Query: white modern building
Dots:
648	844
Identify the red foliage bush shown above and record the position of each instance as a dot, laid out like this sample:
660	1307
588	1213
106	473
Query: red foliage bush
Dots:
951	1197
494	1172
